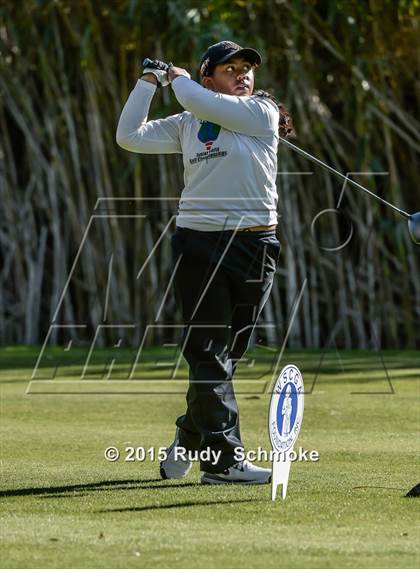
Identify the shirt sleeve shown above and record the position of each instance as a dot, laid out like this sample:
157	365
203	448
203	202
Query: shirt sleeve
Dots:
137	134
254	116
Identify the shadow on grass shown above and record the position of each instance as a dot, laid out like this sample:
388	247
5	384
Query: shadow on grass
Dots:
61	491
413	493
180	505
26	357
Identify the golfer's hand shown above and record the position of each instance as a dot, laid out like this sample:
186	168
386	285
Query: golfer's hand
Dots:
174	72
160	76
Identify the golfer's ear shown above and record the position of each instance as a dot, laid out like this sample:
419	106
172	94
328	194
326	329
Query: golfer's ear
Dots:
207	82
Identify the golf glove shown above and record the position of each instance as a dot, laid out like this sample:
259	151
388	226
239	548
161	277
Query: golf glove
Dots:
161	76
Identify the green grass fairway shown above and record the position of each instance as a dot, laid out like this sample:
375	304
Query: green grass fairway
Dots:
64	505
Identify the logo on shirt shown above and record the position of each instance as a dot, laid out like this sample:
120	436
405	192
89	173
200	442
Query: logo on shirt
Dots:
208	133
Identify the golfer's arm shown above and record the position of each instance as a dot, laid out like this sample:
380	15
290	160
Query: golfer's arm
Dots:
137	134
253	116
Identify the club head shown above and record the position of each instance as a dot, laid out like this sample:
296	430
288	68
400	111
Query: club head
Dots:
414	227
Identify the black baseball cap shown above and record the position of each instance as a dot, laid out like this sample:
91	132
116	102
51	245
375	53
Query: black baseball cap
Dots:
222	52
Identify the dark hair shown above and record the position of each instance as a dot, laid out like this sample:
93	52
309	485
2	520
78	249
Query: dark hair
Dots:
286	128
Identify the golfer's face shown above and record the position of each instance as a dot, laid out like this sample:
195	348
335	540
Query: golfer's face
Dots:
236	77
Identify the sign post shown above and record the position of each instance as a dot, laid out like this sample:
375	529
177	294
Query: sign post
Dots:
284	423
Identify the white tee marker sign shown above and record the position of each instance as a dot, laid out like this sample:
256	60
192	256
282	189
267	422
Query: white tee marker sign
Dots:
284	422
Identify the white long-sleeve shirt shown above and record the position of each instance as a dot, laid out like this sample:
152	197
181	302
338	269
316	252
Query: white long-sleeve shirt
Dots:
229	147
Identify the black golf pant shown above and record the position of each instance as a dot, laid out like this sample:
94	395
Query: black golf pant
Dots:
222	281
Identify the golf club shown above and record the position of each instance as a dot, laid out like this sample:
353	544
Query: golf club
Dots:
413	219
155	64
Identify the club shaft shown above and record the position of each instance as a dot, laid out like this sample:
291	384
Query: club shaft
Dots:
337	173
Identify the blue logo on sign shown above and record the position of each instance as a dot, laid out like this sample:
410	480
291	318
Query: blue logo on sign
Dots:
287	409
208	133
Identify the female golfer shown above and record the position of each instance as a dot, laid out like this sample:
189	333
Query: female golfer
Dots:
225	250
